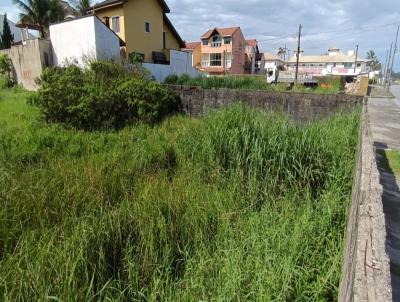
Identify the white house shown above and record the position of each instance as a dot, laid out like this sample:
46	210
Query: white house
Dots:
81	39
333	63
272	64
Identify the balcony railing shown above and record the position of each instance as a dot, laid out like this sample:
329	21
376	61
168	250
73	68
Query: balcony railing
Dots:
216	44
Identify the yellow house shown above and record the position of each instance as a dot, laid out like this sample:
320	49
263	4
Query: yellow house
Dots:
142	24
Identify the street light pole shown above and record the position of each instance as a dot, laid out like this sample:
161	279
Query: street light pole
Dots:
298	55
355	63
393	57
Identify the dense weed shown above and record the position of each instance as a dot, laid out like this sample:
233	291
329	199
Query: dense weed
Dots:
258	82
237	205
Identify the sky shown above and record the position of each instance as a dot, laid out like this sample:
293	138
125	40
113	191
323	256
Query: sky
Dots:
371	24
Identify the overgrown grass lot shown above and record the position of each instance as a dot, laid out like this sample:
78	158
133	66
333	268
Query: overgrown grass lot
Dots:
250	82
235	206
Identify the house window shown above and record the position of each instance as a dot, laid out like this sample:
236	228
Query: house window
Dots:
205	60
147	27
348	65
205	42
115	24
215	59
227	40
164	40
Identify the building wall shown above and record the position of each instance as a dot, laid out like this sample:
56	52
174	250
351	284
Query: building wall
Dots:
197	56
137	40
29	60
180	63
114	12
239	53
171	41
81	40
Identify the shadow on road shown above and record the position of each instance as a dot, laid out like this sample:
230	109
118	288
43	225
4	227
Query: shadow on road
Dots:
391	208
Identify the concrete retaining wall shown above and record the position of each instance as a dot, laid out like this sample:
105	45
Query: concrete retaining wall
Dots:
299	106
365	270
29	60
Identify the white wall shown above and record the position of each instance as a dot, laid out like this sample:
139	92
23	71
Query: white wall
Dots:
180	63
107	42
82	39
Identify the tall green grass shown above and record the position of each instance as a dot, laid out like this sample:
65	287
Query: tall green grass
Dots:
234	206
246	82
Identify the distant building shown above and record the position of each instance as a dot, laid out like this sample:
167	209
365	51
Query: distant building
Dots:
221	51
17	32
254	58
333	63
195	49
272	63
143	25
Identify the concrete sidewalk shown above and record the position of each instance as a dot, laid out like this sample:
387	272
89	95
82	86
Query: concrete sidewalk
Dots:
384	114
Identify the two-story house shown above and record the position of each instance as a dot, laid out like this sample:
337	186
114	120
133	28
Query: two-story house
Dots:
143	25
221	51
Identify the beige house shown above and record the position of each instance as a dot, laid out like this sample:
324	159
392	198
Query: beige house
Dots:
143	25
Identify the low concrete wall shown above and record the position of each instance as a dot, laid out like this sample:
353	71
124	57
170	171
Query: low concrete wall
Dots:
180	63
29	60
365	270
299	106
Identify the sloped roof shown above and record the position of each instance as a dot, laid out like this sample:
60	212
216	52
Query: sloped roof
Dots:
225	32
174	31
339	58
192	45
251	42
14	29
108	3
271	57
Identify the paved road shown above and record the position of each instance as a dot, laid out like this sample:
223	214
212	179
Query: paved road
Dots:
384	116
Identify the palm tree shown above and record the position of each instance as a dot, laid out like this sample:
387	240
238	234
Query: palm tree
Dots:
40	13
375	64
82	6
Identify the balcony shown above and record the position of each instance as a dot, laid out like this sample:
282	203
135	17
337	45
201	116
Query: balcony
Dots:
216	44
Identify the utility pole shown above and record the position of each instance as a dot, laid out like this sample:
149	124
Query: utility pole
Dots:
298	55
355	63
393	57
383	71
388	65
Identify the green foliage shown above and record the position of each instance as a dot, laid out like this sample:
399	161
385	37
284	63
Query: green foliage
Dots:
7	38
104	96
240	82
235	206
6	77
375	64
40	13
82	6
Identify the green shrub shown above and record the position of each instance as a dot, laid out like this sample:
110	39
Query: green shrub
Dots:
6	78
105	96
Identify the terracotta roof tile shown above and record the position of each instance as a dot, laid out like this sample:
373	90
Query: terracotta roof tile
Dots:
225	32
251	42
191	45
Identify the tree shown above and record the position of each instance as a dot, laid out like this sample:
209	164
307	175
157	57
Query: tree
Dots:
82	6
6	38
40	13
375	64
